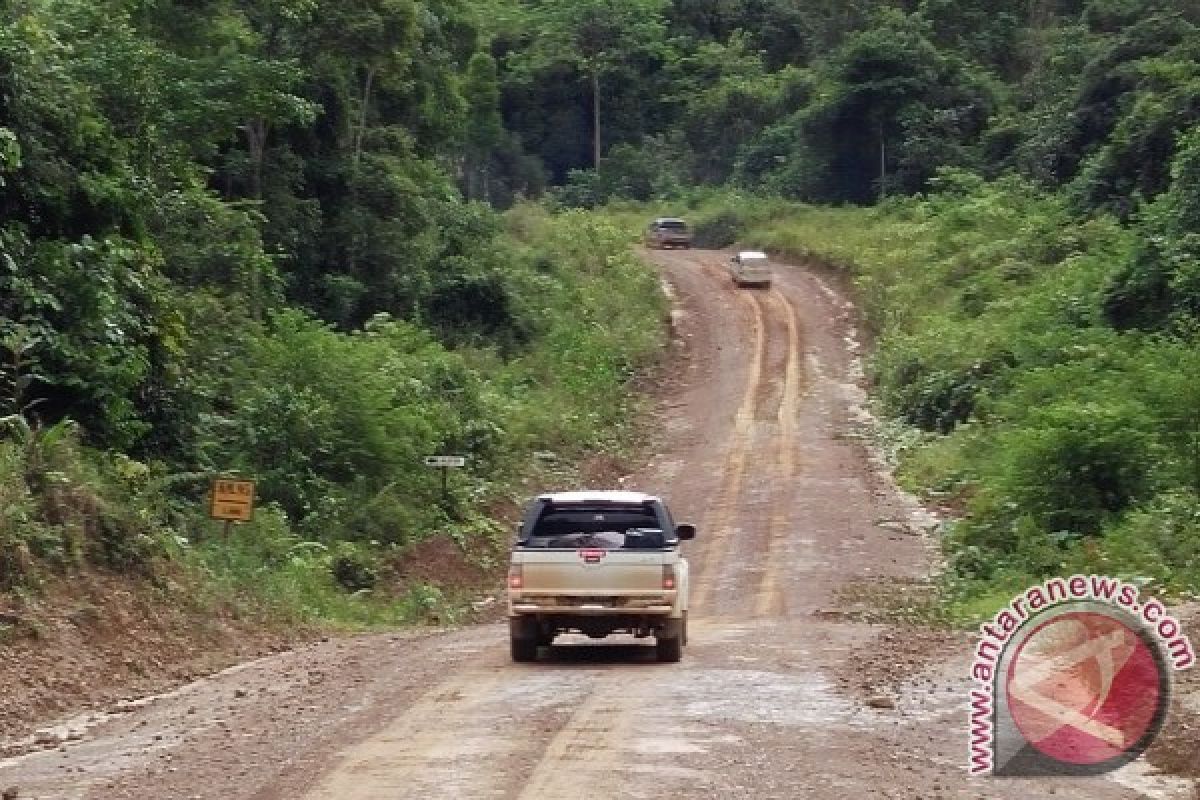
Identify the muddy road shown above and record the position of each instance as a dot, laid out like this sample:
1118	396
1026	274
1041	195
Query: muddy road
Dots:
762	446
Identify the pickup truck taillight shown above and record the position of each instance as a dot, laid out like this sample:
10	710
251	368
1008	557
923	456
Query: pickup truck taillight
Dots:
668	576
516	580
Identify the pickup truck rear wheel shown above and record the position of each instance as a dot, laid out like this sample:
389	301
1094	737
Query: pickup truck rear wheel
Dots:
669	648
523	649
523	639
669	643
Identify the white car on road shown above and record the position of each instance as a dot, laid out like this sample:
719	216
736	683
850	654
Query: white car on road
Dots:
750	267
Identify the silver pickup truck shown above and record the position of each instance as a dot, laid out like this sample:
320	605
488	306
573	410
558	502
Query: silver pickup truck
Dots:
596	563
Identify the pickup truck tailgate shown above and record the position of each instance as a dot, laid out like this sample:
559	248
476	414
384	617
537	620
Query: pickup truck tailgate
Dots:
591	572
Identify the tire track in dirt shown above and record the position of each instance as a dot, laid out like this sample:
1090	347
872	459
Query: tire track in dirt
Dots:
586	751
769	600
718	516
588	748
740	571
421	753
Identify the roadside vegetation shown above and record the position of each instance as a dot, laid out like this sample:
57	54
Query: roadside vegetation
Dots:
241	239
334	426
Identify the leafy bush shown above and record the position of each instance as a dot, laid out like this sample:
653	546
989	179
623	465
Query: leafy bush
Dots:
1158	285
1160	540
640	174
721	229
67	508
922	384
354	567
1073	467
20	520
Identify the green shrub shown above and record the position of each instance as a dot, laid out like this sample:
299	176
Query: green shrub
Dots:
1074	466
20	520
354	567
1161	540
719	230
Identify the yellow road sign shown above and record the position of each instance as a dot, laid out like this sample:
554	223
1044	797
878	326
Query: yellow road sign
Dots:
232	499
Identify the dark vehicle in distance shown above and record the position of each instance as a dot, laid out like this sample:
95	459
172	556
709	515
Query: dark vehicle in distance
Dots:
668	232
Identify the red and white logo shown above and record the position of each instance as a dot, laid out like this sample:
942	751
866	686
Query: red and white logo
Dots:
1085	688
1073	677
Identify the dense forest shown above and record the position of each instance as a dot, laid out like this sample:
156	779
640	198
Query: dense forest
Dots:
295	239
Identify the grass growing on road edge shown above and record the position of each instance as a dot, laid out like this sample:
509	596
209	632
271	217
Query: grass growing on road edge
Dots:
1056	443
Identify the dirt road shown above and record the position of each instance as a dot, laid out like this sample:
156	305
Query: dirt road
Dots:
763	448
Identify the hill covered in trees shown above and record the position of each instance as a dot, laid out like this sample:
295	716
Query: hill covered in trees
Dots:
238	238
266	236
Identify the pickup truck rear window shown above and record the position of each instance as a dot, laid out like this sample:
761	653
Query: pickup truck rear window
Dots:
606	528
672	225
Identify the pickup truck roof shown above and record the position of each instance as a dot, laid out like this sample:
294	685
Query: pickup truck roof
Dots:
752	255
599	496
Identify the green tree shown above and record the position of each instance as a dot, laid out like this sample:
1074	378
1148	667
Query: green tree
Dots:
986	32
1161	282
726	97
485	128
600	38
887	95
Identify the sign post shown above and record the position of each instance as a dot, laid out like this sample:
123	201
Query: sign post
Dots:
445	463
231	500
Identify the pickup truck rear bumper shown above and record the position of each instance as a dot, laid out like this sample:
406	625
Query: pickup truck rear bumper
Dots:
544	626
590	610
593	602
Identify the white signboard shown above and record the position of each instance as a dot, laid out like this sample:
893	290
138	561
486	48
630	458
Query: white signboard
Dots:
445	461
